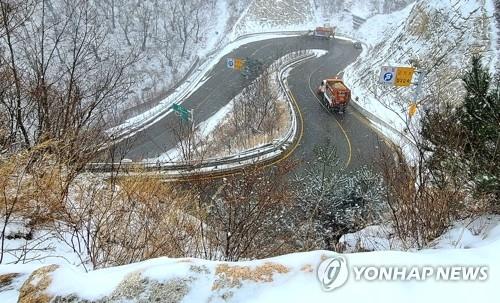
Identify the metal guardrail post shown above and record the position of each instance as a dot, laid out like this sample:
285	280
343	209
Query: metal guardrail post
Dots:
252	156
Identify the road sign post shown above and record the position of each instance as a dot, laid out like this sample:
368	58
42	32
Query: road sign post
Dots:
402	76
192	119
182	112
239	64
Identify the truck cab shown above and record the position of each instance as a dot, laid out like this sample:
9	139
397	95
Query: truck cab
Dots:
324	32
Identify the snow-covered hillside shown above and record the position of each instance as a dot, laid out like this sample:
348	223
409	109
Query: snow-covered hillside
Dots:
289	278
439	37
266	15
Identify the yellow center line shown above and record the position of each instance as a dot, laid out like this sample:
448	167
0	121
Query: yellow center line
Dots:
301	133
348	143
287	155
349	146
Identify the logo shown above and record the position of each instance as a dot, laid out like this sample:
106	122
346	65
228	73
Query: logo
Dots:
388	77
333	273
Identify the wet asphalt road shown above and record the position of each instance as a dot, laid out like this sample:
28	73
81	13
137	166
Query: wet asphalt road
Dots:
356	142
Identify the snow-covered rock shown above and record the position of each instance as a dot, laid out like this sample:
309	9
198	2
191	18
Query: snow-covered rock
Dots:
289	278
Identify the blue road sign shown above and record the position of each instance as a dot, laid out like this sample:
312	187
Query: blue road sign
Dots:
230	63
387	75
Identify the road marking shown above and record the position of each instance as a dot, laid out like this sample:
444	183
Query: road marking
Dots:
290	152
349	156
301	133
260	48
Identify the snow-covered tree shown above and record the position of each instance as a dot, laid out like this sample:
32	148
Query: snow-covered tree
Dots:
463	140
480	117
332	201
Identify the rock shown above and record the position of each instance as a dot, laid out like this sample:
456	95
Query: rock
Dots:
34	288
6	281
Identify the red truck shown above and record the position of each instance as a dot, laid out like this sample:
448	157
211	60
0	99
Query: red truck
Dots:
334	94
324	32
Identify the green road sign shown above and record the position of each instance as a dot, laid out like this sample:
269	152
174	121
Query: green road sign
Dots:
183	112
179	108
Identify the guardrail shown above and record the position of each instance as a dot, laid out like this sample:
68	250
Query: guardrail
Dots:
183	91
375	119
263	153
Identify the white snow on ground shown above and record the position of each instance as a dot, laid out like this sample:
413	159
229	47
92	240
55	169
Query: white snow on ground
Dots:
218	31
43	248
158	112
467	243
292	278
441	36
289	15
154	74
464	234
494	51
298	15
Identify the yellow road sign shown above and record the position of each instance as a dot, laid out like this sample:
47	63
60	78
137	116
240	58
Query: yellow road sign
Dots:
404	76
239	64
412	110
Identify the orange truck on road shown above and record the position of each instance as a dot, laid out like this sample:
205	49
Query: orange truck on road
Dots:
324	32
334	94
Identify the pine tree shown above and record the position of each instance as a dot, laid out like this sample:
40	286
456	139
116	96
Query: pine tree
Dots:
479	115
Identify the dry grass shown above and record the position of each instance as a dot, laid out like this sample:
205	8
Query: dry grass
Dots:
419	25
226	139
6	280
231	276
308	268
34	288
139	219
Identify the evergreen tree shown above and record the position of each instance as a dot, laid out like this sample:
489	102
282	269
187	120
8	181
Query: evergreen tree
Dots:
479	115
463	140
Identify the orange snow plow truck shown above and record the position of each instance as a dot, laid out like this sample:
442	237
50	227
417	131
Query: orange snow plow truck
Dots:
334	94
324	32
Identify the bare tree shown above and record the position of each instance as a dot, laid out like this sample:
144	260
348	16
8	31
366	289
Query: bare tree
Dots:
256	111
244	216
145	16
65	78
191	145
14	17
184	21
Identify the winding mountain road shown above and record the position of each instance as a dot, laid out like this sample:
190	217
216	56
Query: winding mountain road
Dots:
356	141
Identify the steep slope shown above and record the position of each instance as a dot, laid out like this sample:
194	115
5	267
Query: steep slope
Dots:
266	15
438	37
